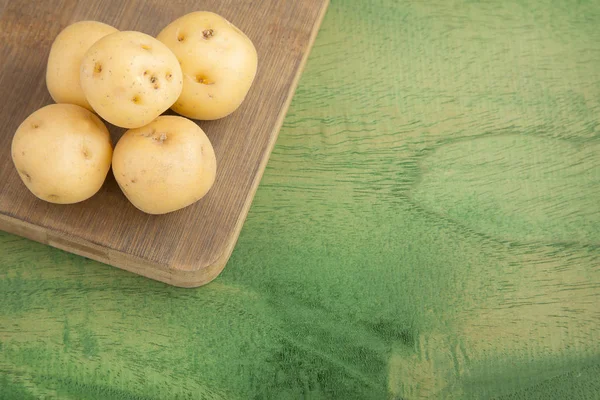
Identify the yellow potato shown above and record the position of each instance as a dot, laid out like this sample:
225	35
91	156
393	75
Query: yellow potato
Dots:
62	72
62	153
218	62
130	78
165	165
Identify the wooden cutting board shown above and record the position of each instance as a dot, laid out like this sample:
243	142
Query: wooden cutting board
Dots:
189	247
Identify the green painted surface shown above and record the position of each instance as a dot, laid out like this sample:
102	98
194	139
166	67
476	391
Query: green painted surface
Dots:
428	227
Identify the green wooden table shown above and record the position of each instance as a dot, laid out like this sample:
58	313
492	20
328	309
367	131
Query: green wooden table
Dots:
428	227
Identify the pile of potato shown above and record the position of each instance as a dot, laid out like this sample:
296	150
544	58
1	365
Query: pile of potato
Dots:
200	66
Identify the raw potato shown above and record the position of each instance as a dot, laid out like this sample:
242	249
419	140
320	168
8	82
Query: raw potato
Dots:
62	73
218	62
130	78
165	165
62	153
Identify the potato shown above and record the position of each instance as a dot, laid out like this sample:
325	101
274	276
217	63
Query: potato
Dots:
130	78
62	72
165	165
218	62
62	153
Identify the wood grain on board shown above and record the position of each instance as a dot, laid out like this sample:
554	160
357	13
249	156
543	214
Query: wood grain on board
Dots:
188	247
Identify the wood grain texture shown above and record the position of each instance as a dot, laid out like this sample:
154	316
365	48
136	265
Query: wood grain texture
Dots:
189	247
427	228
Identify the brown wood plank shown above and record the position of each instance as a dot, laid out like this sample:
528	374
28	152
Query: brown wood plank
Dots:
191	246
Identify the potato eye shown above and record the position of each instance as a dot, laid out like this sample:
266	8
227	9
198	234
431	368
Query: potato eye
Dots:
87	154
160	138
208	33
204	80
26	175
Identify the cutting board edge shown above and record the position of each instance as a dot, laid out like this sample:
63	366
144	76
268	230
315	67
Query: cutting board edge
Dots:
85	248
224	258
188	276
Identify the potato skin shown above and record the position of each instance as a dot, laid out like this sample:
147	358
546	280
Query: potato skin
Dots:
164	166
130	78
64	61
62	153
218	61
